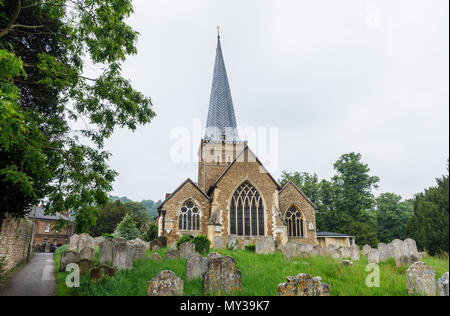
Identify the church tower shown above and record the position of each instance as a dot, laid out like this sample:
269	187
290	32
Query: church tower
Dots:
221	143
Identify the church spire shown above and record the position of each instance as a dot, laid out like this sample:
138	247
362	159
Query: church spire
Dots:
221	124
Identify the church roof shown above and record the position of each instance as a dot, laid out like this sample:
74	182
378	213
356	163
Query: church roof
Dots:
330	234
179	188
211	189
301	192
221	124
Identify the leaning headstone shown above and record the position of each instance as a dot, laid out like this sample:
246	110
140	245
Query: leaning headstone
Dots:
105	251
162	241
442	285
291	250
205	261
354	251
122	256
102	272
390	251
73	244
232	242
383	252
85	241
420	280
166	283
374	256
98	241
303	285
265	245
153	244
137	250
186	249
366	249
346	253
67	258
331	247
85	266
218	242
413	253
221	276
305	250
87	253
194	266
323	252
405	252
336	254
172	254
155	257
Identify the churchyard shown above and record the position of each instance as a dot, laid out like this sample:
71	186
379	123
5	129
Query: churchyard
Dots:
342	272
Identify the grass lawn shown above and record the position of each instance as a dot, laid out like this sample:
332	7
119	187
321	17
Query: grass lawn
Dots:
261	275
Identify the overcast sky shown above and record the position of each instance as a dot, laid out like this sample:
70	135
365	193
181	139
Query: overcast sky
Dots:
333	76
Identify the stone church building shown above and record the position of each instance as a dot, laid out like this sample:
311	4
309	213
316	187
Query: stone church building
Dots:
234	195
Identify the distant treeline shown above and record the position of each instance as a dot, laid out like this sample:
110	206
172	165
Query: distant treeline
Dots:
150	205
346	204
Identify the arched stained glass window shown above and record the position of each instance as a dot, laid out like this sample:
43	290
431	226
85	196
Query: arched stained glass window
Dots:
246	212
189	218
294	220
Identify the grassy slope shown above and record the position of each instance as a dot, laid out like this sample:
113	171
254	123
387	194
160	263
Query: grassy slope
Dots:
261	275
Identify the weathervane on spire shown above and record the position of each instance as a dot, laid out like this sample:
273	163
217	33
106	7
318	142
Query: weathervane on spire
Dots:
218	30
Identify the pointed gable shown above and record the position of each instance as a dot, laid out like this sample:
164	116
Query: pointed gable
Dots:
188	184
293	186
245	156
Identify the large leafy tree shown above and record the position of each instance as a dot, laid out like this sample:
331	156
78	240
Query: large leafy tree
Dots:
109	216
364	234
392	215
45	46
308	183
353	188
429	225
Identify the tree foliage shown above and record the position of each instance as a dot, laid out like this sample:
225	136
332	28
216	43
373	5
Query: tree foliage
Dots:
127	229
109	216
364	234
45	46
429	225
86	219
392	215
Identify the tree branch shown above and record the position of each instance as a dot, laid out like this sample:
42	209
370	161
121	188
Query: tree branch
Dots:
13	19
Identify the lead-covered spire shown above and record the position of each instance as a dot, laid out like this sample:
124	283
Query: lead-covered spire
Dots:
221	124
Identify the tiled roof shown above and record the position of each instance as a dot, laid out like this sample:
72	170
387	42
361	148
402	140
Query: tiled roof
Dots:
39	213
221	124
330	234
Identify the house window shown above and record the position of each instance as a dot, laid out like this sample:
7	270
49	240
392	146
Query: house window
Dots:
189	217
294	220
47	228
246	212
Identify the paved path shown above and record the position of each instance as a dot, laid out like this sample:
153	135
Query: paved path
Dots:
37	278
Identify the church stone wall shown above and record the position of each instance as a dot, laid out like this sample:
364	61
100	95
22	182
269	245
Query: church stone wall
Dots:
174	204
235	176
289	196
214	160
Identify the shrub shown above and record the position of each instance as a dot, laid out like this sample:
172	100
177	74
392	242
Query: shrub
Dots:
183	239
106	235
127	229
250	247
202	244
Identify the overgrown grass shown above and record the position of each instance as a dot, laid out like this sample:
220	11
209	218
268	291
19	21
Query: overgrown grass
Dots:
261	275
